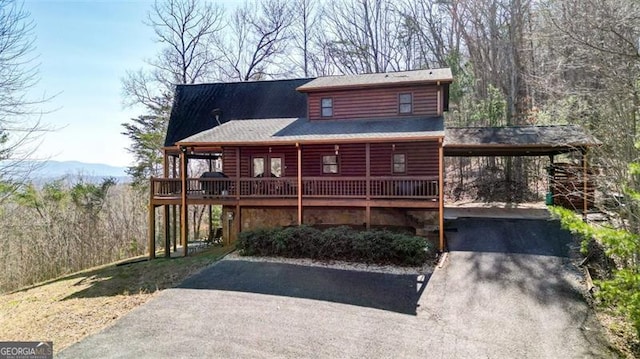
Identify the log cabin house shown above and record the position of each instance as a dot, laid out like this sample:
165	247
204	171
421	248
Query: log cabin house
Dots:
364	150
355	150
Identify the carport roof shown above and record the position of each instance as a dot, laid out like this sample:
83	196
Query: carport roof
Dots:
516	140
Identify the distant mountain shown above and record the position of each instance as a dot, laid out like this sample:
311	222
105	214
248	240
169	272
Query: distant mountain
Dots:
47	170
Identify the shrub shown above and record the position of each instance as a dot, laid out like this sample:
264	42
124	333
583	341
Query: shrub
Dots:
623	290
337	243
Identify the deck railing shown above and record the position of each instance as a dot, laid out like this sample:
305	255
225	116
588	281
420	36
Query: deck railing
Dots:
409	187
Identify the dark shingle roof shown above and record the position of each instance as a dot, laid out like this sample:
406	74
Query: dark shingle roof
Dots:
193	104
291	130
378	79
516	140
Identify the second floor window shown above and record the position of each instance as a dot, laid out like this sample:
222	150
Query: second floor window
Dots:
405	103
326	107
329	164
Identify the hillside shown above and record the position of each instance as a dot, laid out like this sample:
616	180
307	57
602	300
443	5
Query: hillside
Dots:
71	307
56	169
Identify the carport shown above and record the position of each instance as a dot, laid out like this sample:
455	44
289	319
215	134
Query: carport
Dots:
520	141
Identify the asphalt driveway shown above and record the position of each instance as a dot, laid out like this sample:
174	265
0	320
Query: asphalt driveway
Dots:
507	291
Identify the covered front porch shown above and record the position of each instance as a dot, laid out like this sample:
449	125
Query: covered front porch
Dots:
294	191
406	191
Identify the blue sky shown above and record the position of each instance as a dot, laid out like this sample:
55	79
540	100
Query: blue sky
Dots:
85	48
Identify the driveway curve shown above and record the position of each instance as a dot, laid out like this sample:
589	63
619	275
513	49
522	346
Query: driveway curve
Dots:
507	290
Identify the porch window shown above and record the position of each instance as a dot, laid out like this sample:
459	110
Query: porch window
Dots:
276	166
399	163
405	103
326	105
258	167
262	163
329	164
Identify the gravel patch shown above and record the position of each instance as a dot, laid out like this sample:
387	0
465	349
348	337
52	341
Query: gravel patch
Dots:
361	267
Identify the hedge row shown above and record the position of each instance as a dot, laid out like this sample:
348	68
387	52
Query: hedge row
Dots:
337	243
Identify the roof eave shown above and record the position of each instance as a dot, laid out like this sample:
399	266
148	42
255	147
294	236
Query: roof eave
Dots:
373	85
312	141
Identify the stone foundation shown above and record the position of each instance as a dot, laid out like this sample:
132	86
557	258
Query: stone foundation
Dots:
423	221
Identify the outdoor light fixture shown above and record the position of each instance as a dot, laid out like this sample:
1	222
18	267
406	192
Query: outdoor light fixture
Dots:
393	147
336	147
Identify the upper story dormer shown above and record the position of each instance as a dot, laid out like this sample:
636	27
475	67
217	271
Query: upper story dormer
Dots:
417	93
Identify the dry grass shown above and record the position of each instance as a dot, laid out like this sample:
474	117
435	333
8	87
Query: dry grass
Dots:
620	333
67	309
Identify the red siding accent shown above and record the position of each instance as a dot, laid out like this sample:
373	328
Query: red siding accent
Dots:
290	154
229	161
375	103
351	159
422	159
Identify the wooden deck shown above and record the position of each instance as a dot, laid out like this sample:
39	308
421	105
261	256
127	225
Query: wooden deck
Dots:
404	191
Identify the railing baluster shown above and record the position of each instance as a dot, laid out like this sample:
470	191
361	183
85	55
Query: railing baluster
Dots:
414	187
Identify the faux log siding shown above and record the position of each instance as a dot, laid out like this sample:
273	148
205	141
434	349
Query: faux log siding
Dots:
375	103
351	159
290	154
229	161
422	158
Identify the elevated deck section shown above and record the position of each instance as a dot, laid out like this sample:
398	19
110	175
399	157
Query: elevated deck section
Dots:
398	191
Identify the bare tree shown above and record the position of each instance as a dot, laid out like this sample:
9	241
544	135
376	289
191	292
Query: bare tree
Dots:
257	40
432	32
367	36
494	35
307	38
188	30
20	126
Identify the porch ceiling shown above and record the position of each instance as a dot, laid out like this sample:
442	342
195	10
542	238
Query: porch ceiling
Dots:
516	141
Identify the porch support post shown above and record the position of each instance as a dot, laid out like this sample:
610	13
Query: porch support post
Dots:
551	174
167	232
152	223
174	210
184	228
210	208
441	194
367	210
299	147
584	184
237	219
440	102
167	229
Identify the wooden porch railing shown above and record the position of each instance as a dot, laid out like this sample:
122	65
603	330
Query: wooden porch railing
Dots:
406	187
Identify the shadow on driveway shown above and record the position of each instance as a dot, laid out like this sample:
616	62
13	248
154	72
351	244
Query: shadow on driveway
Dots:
392	292
515	236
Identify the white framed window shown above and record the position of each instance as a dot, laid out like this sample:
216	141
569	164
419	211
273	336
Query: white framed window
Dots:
405	103
273	163
326	107
329	164
399	163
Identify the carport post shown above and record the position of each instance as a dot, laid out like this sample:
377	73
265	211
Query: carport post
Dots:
441	194
299	147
